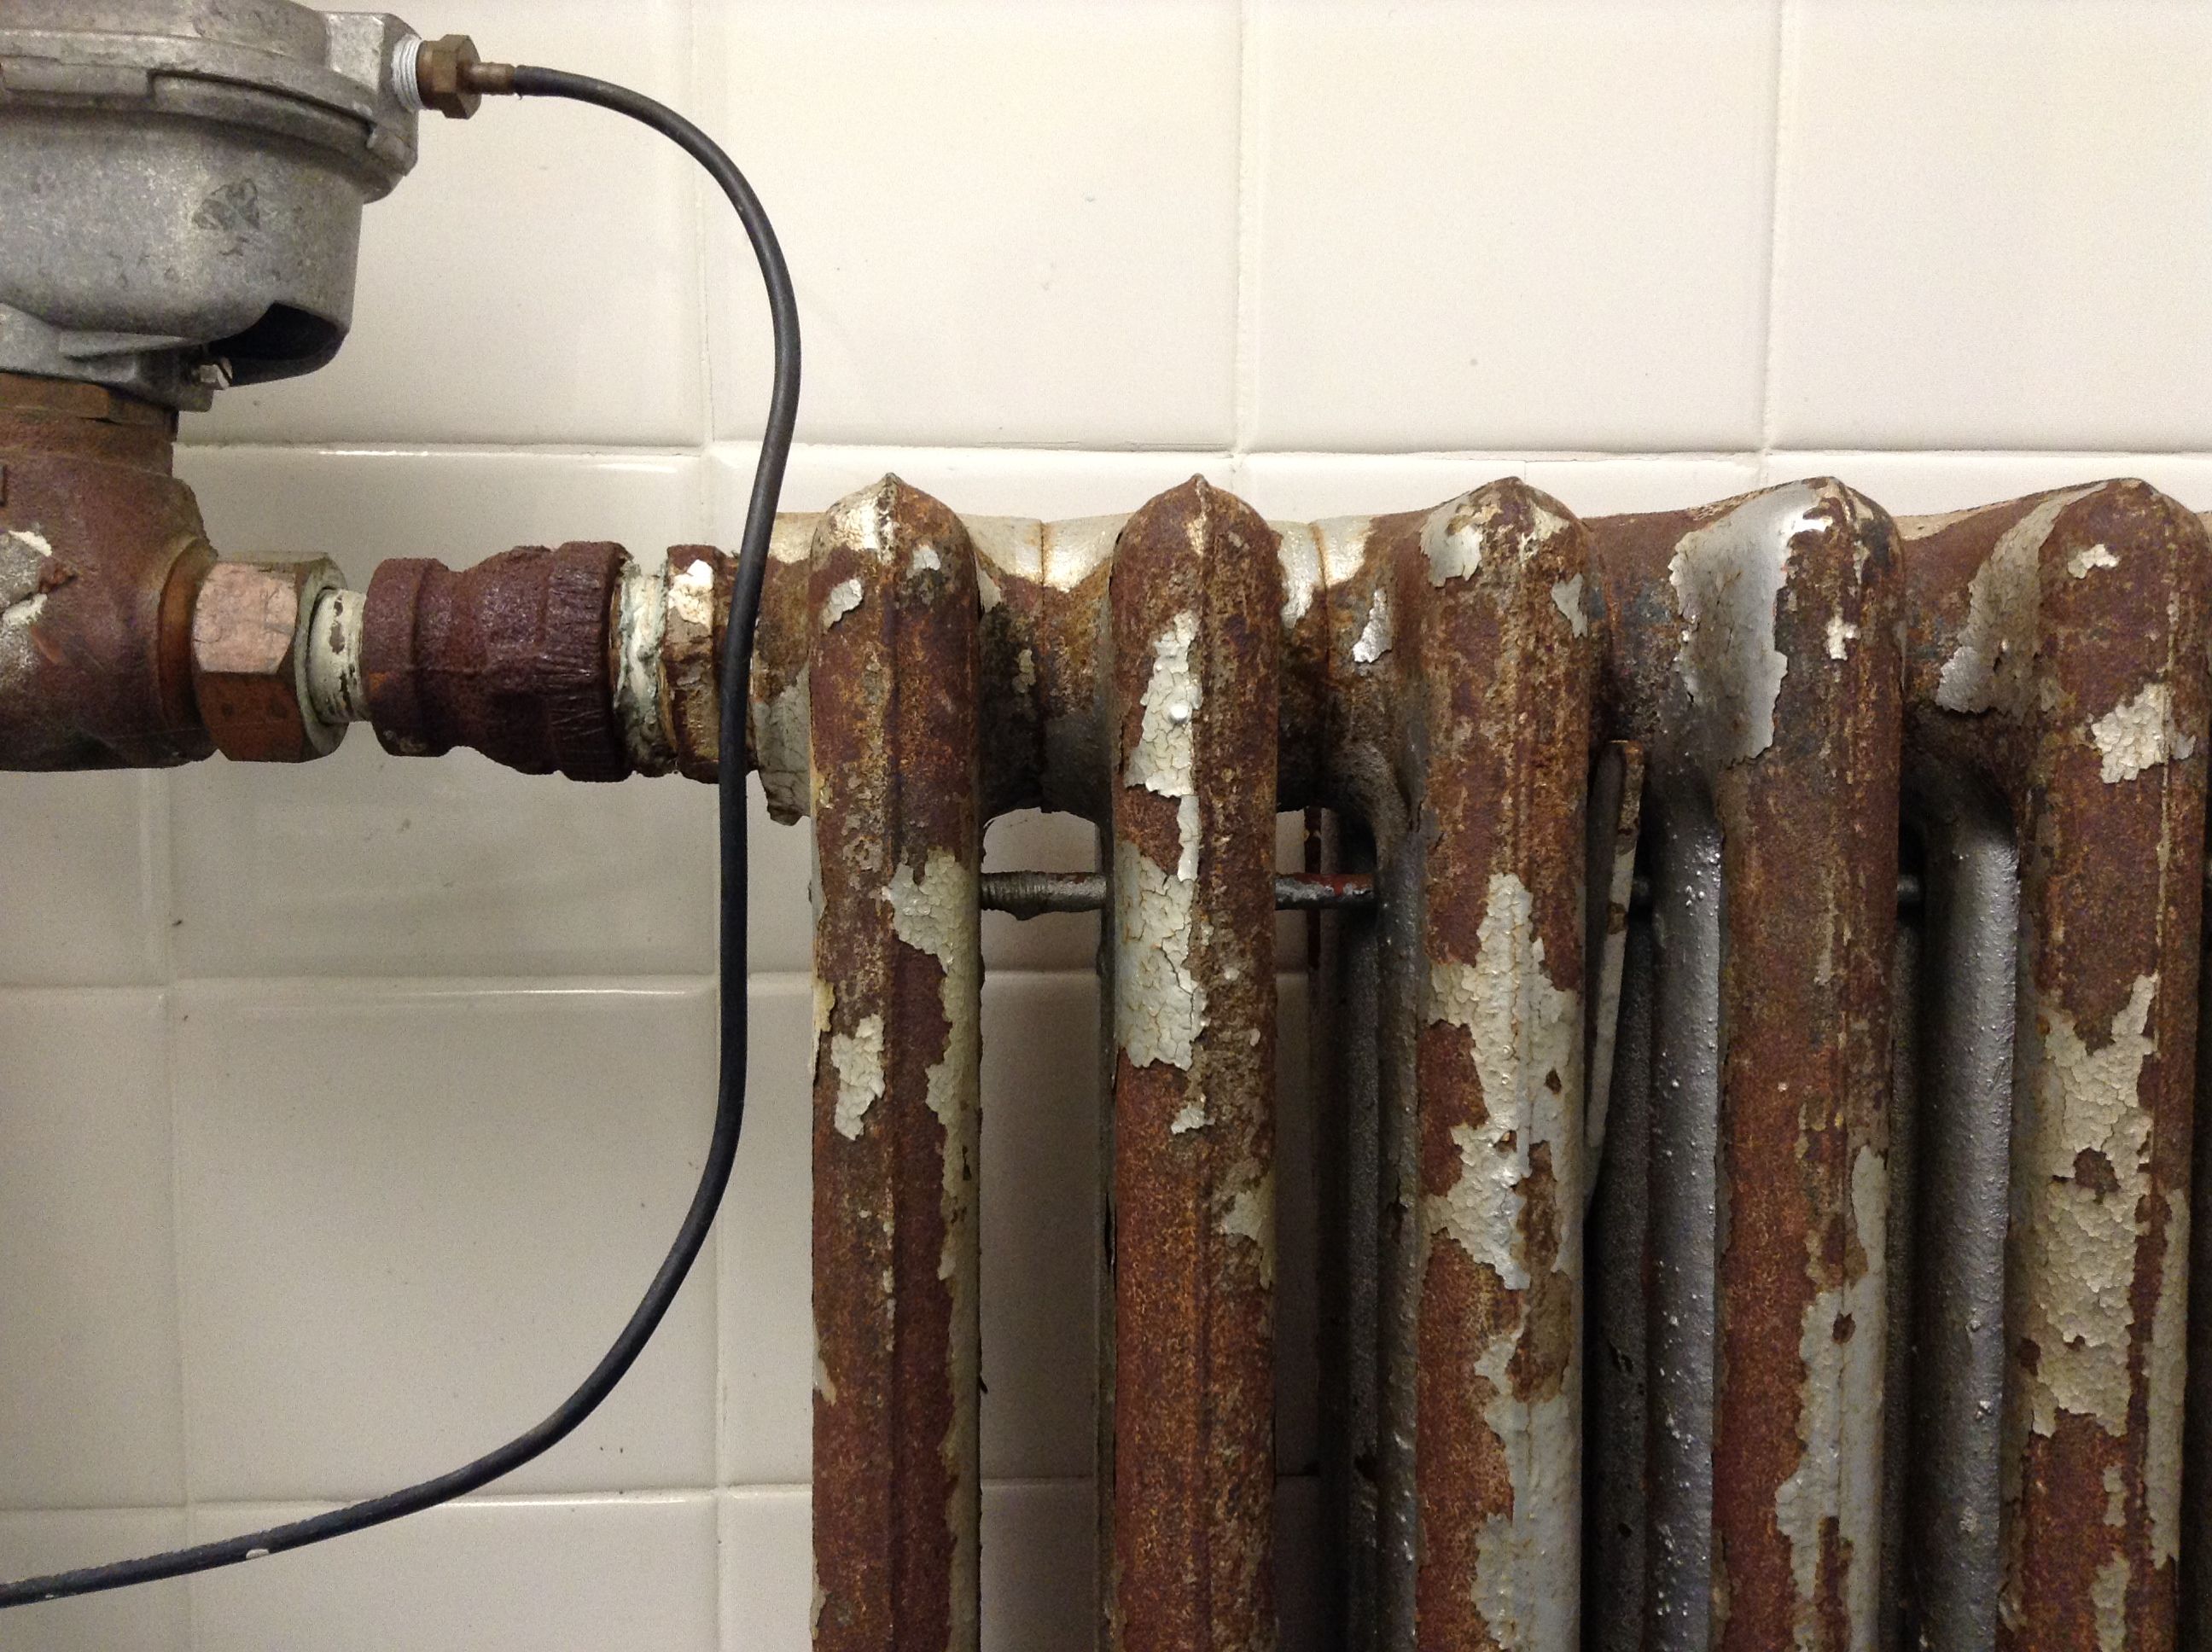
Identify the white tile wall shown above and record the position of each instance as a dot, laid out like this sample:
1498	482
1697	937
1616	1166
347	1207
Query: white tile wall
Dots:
346	1109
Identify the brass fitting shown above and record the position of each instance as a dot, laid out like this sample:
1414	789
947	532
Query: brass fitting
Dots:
249	648
445	78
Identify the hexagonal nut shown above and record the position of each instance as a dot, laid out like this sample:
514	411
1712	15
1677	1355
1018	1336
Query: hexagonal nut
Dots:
441	76
249	625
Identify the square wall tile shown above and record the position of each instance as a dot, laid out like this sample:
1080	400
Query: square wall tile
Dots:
535	278
1915	484
365	863
766	1263
412	1217
1007	222
1038	1567
1996	226
1525	224
768	1569
83	882
490	1574
153	1617
88	1373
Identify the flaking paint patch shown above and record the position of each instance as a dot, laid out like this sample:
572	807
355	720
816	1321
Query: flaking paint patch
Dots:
1527	1037
792	540
1165	754
24	610
1159	1006
1523	1583
1374	639
1074	550
1567	598
781	748
2167	1380
1452	537
1841	634
2108	1597
2079	1234
844	597
858	1057
1728	577
824	1384
2081	561
1251	1216
1840	1406
2139	734
640	605
937	911
1992	668
925	560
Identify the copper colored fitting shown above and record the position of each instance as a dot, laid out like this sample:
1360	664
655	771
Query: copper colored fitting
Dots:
509	657
446	78
249	659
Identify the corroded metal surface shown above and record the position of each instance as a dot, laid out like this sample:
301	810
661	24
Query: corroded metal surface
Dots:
1495	665
1196	593
897	971
101	551
1760	661
2060	649
510	656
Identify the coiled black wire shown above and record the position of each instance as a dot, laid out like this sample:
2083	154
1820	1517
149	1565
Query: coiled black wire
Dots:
730	1102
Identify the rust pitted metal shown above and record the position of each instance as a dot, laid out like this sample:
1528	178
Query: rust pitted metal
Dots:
2060	645
1196	600
892	707
1755	649
102	553
1495	682
510	656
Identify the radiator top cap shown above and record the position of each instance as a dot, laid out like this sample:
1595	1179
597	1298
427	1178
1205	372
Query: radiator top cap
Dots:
183	187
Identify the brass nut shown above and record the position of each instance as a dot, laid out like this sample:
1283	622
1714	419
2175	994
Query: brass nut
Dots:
249	659
441	76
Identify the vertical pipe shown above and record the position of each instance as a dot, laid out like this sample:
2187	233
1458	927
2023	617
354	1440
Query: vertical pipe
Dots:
1196	598
897	967
1498	715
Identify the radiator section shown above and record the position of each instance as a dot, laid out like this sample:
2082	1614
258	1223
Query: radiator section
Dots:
1859	864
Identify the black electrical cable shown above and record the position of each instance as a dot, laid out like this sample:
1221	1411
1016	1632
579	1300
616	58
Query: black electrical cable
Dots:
729	1110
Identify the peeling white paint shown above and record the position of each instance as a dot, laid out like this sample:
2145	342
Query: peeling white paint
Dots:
23	610
844	597
2108	1595
1251	1216
858	1057
1567	598
1159	1007
2140	734
1840	1407
825	1004
1452	537
1841	634
1343	544
32	540
824	1384
1374	641
925	560
640	614
1025	671
1166	749
2166	1380
2077	1245
2081	561
1992	668
782	748
1727	576
1192	1117
1525	1035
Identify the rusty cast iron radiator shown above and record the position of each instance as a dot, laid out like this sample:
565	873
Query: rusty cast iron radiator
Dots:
1838	877
1755	972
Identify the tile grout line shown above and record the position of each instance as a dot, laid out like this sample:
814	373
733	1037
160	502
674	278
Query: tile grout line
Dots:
1785	13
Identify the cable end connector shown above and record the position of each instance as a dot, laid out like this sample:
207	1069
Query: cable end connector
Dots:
446	75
